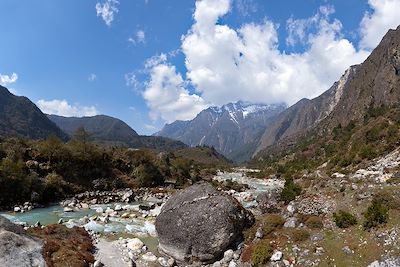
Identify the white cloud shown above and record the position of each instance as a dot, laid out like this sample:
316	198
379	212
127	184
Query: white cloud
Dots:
92	77
139	38
107	10
246	7
132	81
6	79
167	97
224	64
63	108
384	16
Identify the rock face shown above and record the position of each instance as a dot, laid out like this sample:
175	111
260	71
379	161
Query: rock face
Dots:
200	223
17	248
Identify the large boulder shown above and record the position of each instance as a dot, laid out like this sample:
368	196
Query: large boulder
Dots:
17	248
200	223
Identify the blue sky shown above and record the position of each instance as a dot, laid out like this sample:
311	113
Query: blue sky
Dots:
149	62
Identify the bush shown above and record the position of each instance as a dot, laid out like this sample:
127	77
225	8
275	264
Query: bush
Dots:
290	191
375	215
300	235
344	219
262	253
314	222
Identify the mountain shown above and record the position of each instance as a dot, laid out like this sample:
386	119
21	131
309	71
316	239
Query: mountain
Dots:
20	117
112	131
233	129
367	96
306	113
102	128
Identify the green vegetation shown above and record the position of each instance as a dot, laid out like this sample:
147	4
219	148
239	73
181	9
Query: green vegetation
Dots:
262	252
344	219
290	191
376	215
48	170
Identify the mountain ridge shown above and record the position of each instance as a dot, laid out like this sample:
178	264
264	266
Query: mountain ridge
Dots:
233	129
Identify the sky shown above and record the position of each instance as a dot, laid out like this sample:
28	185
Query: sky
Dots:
151	62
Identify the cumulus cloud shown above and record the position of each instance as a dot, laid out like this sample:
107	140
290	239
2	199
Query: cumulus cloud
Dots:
6	79
225	64
63	108
167	97
107	10
384	16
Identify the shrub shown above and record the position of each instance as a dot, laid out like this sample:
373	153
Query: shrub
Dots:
388	198
314	222
271	222
375	215
344	219
290	191
262	252
300	235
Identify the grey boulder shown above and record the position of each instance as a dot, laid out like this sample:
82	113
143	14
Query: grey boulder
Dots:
17	248
199	223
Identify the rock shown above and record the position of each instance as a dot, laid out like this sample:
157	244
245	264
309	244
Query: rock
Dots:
389	262
68	209
163	262
259	233
126	197
17	209
17	248
149	257
200	223
228	256
316	205
290	223
98	264
125	215
60	221
171	262
117	208
290	208
232	264
277	256
216	264
99	210
317	237
93	201
84	205
268	200
135	244
319	251
347	250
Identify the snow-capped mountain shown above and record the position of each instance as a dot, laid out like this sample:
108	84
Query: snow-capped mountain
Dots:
233	129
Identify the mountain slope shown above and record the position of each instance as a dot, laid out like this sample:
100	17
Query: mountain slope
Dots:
233	129
363	122
101	128
306	113
112	131
20	117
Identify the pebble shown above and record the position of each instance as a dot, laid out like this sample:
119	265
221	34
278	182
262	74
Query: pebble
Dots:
259	233
135	244
277	256
98	264
149	257
163	262
228	256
